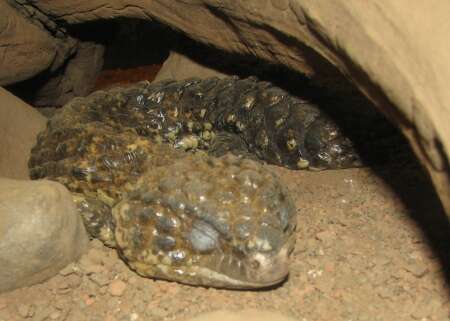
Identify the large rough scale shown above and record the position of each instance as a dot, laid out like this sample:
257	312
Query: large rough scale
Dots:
40	232
225	222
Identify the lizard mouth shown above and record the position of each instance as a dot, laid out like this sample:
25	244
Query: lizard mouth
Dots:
270	269
262	270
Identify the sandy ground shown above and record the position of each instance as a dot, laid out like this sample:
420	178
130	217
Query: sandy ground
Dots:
370	246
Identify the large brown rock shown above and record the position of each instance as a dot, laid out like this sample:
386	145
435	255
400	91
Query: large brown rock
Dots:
396	53
19	126
40	231
27	48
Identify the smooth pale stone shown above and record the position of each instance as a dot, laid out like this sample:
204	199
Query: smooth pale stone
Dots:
40	232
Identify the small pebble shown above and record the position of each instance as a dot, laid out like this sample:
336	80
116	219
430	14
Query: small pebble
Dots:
416	269
117	288
25	310
327	237
60	304
74	280
133	280
158	312
69	269
97	244
111	259
99	279
89	267
386	293
42	314
55	315
89	301
96	256
63	284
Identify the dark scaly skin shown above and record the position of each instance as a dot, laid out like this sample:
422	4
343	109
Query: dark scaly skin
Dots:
269	123
191	218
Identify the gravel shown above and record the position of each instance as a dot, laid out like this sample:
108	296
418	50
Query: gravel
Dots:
363	259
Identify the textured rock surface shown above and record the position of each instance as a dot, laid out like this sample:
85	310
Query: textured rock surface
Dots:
77	78
40	232
394	53
19	125
28	48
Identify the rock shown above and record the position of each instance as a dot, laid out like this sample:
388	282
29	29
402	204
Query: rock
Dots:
76	78
326	237
74	281
89	267
245	315
55	315
117	288
19	126
27	48
97	244
43	313
96	256
417	269
68	270
40	232
101	279
180	67
158	312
